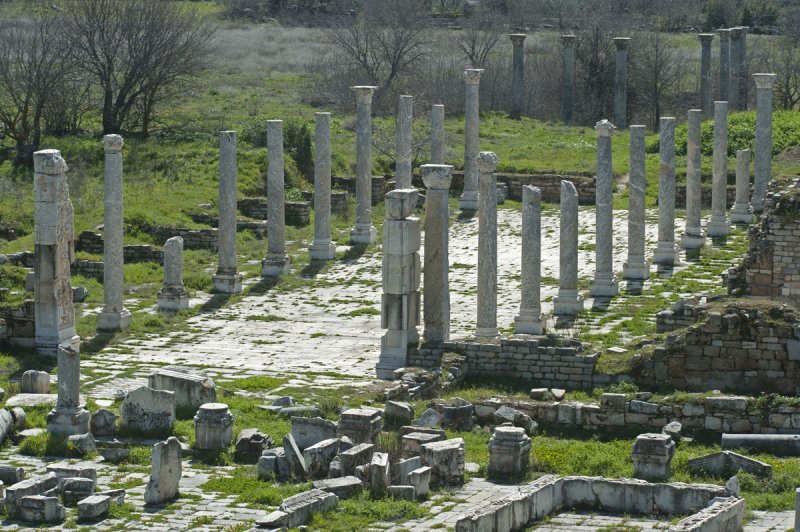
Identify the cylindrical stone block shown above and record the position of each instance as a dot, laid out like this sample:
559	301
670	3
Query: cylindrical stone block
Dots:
724	63
568	79
487	246
469	198
740	212
529	320
321	247
436	288
227	280
718	223
763	156
213	427
517	69
665	254
405	117
568	302
705	73
604	283
636	267
621	81
437	134
363	232
692	237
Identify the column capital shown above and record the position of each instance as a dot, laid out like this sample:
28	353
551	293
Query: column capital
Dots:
705	38
764	80
721	105
113	143
364	93
473	75
736	33
487	162
666	121
568	40
49	162
604	128
622	43
724	34
436	176
517	39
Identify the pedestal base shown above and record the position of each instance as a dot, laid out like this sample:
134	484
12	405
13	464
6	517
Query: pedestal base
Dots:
757	205
603	287
740	214
227	283
528	324
173	298
486	332
665	254
363	234
692	241
68	421
48	347
636	271
113	321
468	201
718	226
567	303
275	265
322	250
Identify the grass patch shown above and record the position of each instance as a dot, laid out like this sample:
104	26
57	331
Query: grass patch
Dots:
249	490
357	513
258	383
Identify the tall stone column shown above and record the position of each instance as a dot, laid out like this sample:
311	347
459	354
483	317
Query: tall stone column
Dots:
173	295
740	212
692	237
469	198
54	251
763	165
321	247
636	267
724	63
718	223
665	254
227	280
568	79
621	81
529	320
437	134
276	262
364	232
487	246
405	119
743	78
68	417
735	65
705	73
568	302
114	316
604	283
436	285
517	70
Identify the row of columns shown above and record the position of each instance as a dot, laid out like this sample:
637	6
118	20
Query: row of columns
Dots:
732	81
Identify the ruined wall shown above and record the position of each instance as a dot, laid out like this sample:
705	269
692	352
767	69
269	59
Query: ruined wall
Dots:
549	184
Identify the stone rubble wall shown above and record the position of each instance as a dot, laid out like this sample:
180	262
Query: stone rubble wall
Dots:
296	212
338	200
549	184
10	231
705	196
259	228
682	314
20	325
380	186
91	242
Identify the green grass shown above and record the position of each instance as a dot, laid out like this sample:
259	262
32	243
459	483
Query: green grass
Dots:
357	513
242	483
258	383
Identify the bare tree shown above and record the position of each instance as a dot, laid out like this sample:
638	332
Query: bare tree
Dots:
659	69
785	62
481	32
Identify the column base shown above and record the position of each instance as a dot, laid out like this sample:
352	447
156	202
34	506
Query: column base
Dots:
48	347
385	369
665	254
603	287
718	226
468	201
567	303
636	270
740	214
322	250
528	323
756	205
68	421
173	298
275	265
693	241
363	234
486	332
113	321
227	283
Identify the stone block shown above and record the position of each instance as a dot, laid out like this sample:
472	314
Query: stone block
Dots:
300	508
103	423
31	486
319	456
165	475
149	411
308	431
33	381
458	416
93	507
191	390
357	455
399	312
213	427
63	470
294	456
343	487
429	418
300	411
727	463
401	274
411	444
509	454
613	401
379	473
361	425
399	204
420	478
84	443
397	413
446	460
651	455
74	489
40	509
728	405
250	444
402	468
401	492
401	237
274	465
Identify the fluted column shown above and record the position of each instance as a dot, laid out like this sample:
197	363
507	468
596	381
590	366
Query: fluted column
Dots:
487	246
568	79
437	134
706	98
604	283
321	247
718	223
665	254
692	237
436	287
529	320
636	267
517	68
405	118
469	198
621	81
763	165
364	232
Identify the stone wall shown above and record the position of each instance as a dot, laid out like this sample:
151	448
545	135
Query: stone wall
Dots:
682	314
21	258
296	212
380	186
192	238
338	200
705	196
259	228
91	242
10	231
20	325
549	184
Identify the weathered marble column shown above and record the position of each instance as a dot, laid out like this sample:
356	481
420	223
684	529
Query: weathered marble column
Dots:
436	285
604	283
276	262
173	295
763	164
227	280
469	198
364	232
692	237
321	247
735	65
740	212
724	63
718	223
487	246
437	134
568	79
529	320
54	250
743	78
517	70
114	316
621	81
665	253
405	119
68	417
705	73
568	302
636	267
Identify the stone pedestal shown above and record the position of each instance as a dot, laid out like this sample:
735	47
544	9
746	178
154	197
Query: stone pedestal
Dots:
740	212
487	246
437	263
276	262
173	296
724	63
227	280
763	156
568	302
568	79
322	248
469	198
621	81
405	118
529	320
364	232
651	455
213	427
361	425
68	417
604	283
509	454
636	267
693	237
437	134
665	253
706	98
517	70
718	223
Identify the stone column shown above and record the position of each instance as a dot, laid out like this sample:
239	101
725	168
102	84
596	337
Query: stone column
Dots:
621	81
401	276
469	198
437	134
529	320
568	79
436	286
517	69
68	417
763	165
322	248
724	63
743	67
276	262
173	296
740	212
718	223
705	73
735	65
604	283
487	246
636	267
692	237
797	508
364	232
227	280
405	118
54	251
665	254
568	302
114	317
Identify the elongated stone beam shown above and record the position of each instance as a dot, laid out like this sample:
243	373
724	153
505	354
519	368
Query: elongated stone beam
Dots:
706	98
529	320
276	262
568	79
405	118
735	65
364	232
604	283
692	237
568	302
718	223
724	80
636	267
763	165
487	246
517	70
469	198
436	285
740	212
114	316
621	81
437	134
321	247
665	254
227	280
